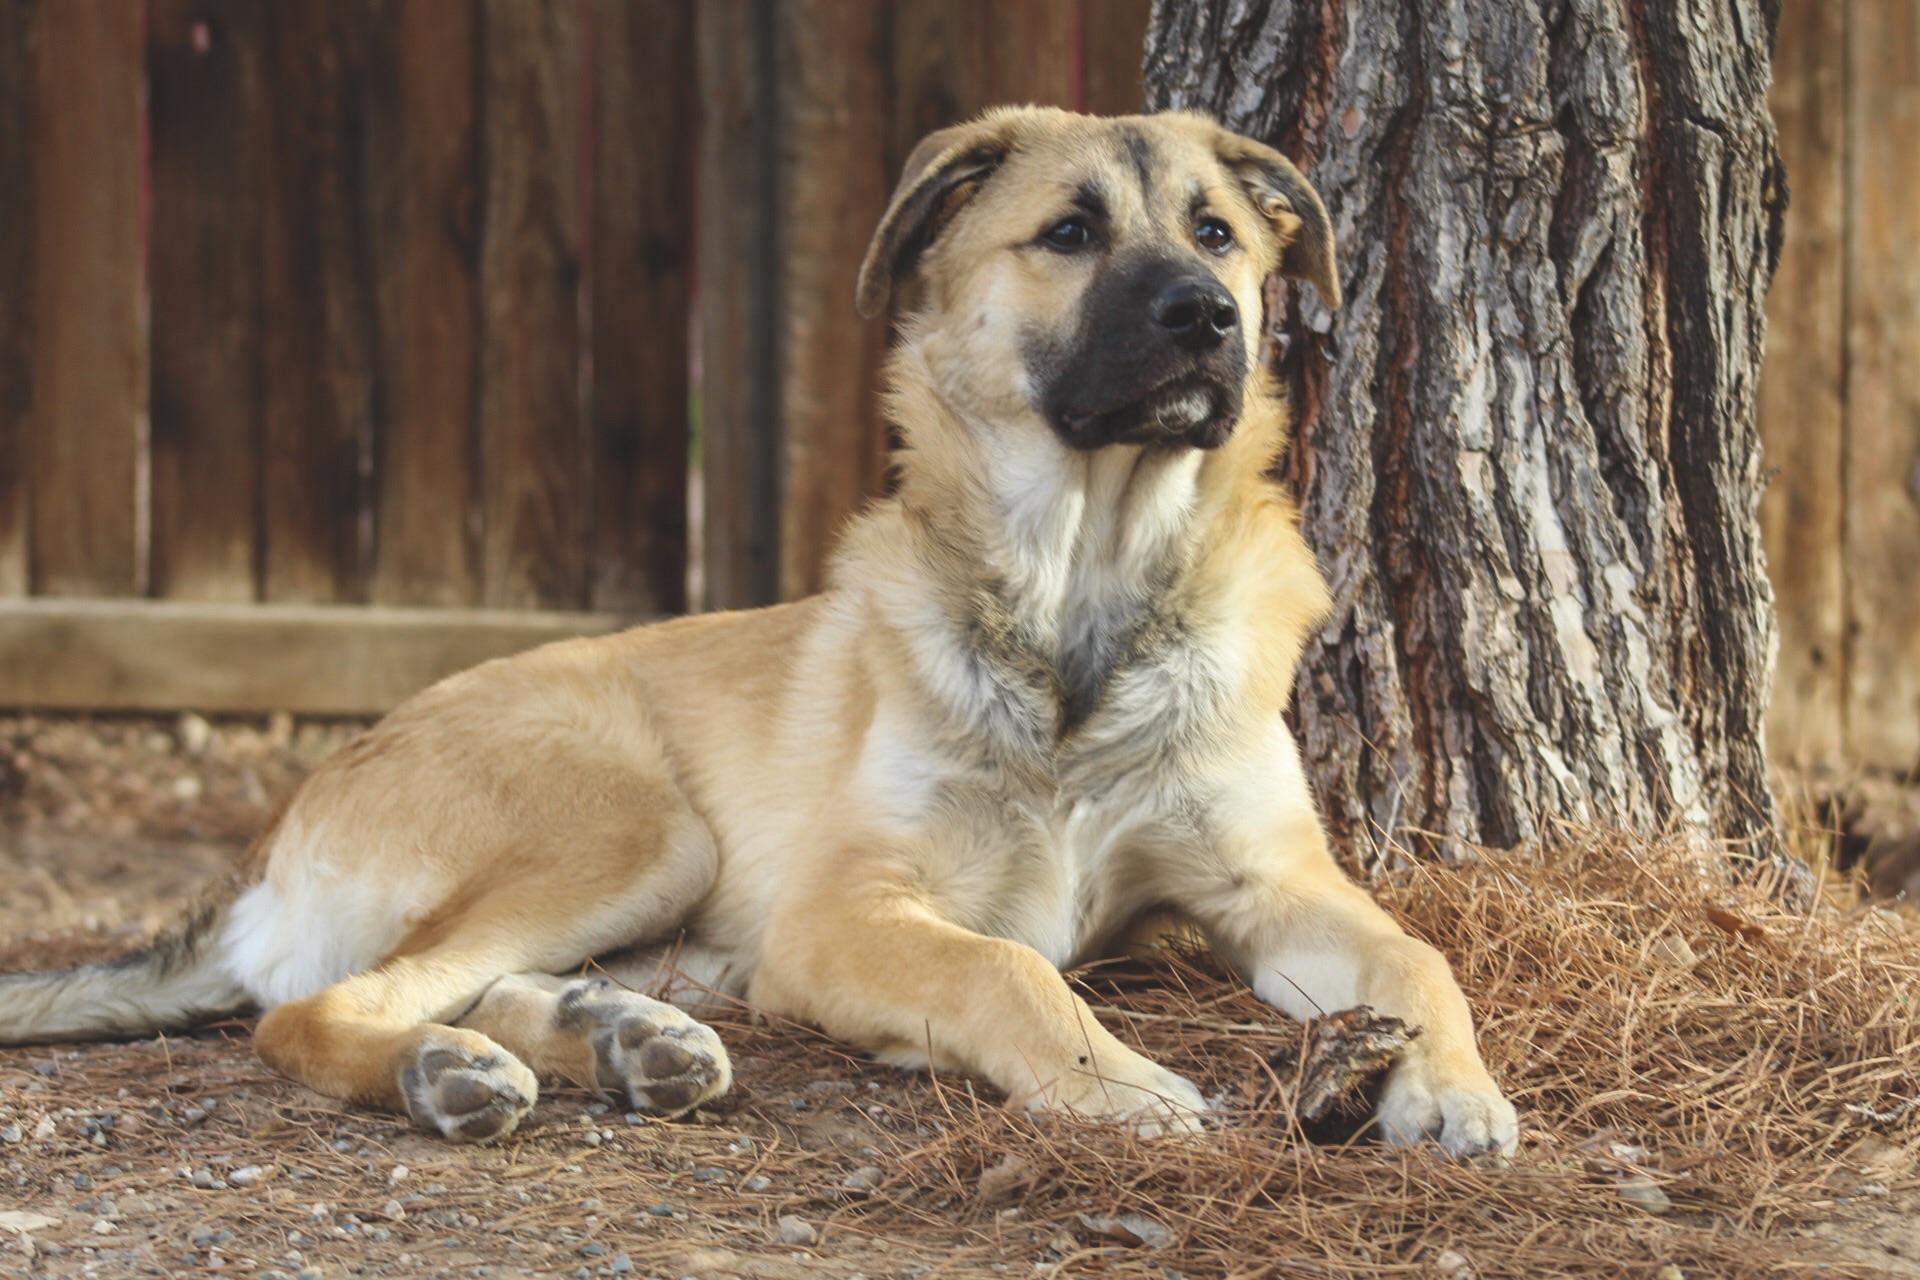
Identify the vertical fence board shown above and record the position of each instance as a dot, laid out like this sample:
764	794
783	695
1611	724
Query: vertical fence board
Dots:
1883	421
531	427
645	128
17	221
317	305
211	140
1031	53
1802	396
833	185
422	180
738	429
87	372
1113	38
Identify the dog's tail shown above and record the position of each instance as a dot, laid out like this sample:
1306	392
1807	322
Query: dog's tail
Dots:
172	983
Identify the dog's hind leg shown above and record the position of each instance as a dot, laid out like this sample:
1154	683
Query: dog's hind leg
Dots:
372	1039
605	1037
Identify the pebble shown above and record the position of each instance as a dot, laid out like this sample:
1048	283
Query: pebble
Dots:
208	1237
251	1175
759	1182
796	1230
708	1173
45	1129
865	1178
398	1173
660	1210
11	1134
194	733
82	1182
1644	1191
621	1264
592	1249
593	1138
590	1206
204	1180
193	1115
393	1210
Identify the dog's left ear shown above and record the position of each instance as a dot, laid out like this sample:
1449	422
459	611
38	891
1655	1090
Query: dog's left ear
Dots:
944	170
1288	200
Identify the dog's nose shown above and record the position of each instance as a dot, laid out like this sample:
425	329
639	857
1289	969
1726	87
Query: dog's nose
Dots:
1198	314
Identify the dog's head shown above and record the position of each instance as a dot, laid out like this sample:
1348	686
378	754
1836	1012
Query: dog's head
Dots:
1103	275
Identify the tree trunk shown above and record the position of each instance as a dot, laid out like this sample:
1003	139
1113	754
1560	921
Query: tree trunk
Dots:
1526	447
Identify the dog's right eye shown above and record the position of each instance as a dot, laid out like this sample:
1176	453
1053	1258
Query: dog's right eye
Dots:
1069	235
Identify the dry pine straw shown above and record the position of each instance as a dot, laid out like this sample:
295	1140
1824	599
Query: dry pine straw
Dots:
1652	1017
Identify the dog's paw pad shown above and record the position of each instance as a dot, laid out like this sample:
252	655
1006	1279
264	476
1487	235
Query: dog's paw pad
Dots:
662	1060
465	1095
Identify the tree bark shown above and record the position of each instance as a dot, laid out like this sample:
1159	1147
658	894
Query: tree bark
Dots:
1526	447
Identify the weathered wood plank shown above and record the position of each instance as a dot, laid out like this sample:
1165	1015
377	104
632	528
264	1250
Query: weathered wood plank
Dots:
739	437
1113	34
423	197
645	131
88	374
211	136
17	194
1030	53
1802	390
317	306
316	659
833	186
1883	416
534	462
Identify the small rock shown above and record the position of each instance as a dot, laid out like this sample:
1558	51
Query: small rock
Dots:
203	1180
393	1211
592	1249
865	1178
796	1230
82	1182
1669	1272
11	1134
1453	1265
198	1115
1003	1180
251	1175
188	787
397	1174
45	1129
590	1205
208	1237
193	732
708	1173
660	1210
758	1182
1639	1189
593	1138
621	1264
23	1221
1128	1228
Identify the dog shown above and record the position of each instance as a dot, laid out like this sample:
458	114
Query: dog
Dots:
1039	702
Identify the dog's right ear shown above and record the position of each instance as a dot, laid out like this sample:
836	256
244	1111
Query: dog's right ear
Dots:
944	170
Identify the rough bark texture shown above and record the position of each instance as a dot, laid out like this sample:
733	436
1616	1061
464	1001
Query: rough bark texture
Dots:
1526	448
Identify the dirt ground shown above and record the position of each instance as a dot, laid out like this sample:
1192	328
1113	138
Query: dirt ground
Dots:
1735	1107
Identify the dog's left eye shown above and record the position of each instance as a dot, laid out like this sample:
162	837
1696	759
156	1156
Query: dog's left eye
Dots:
1214	235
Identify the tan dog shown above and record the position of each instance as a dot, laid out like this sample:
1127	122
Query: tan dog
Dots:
1041	698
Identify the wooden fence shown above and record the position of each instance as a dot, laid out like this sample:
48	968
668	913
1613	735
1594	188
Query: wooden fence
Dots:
370	327
343	342
1840	405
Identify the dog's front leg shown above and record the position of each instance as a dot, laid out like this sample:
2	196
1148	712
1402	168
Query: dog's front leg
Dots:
1275	905
883	971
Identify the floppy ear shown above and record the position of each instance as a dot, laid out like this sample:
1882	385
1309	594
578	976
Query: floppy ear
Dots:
1290	202
944	170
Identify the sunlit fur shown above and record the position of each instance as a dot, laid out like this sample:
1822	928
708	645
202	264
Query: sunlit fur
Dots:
1040	699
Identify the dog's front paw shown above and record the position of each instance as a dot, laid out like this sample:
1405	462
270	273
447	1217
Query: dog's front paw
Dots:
1134	1091
1459	1107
